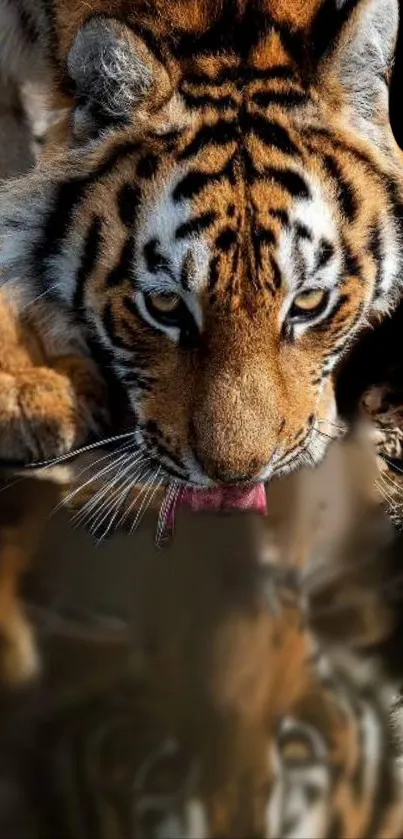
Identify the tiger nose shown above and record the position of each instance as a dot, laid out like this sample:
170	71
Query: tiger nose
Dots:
226	472
232	428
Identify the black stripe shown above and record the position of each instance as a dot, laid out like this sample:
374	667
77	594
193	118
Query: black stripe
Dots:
226	239
346	195
271	133
135	378
395	197
278	71
291	98
276	273
323	325
238	32
375	247
195	225
194	182
260	237
327	23
91	252
352	265
291	181
69	195
240	76
349	150
147	166
214	274
155	260
124	269
128	201
324	254
110	328
280	215
264	236
205	100
302	231
219	133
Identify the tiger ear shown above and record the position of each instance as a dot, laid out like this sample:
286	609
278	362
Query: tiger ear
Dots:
355	43
115	76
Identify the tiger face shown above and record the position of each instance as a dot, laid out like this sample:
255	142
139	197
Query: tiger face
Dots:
244	726
224	222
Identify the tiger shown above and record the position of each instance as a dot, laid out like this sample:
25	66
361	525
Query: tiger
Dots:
213	220
217	216
262	709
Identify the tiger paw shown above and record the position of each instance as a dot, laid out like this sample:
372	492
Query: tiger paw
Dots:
46	412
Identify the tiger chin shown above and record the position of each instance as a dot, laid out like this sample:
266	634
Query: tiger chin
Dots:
217	218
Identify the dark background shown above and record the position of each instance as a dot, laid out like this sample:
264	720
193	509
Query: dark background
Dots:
396	97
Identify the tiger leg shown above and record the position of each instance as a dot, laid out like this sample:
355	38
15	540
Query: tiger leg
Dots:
23	515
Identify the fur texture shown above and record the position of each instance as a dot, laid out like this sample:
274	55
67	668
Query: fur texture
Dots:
220	155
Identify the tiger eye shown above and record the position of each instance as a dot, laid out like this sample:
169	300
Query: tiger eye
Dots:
309	301
296	751
164	303
167	309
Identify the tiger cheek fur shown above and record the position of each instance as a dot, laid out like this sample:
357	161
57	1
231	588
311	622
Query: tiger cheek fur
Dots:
229	160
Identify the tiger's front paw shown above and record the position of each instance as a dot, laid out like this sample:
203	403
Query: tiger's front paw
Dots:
46	412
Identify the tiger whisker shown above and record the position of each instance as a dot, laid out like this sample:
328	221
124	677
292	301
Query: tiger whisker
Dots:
31	303
120	497
144	490
104	457
94	510
307	457
384	493
148	497
67	499
99	512
169	502
323	434
389	479
335	425
89	447
106	487
126	513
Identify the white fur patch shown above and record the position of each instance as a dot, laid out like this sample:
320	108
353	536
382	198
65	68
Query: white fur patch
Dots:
361	64
391	269
159	221
314	213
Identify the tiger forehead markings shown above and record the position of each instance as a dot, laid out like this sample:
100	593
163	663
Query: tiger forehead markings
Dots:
226	217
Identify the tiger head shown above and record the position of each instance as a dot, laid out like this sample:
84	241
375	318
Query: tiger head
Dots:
224	220
244	726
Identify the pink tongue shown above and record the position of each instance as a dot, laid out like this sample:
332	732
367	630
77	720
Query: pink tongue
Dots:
225	499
